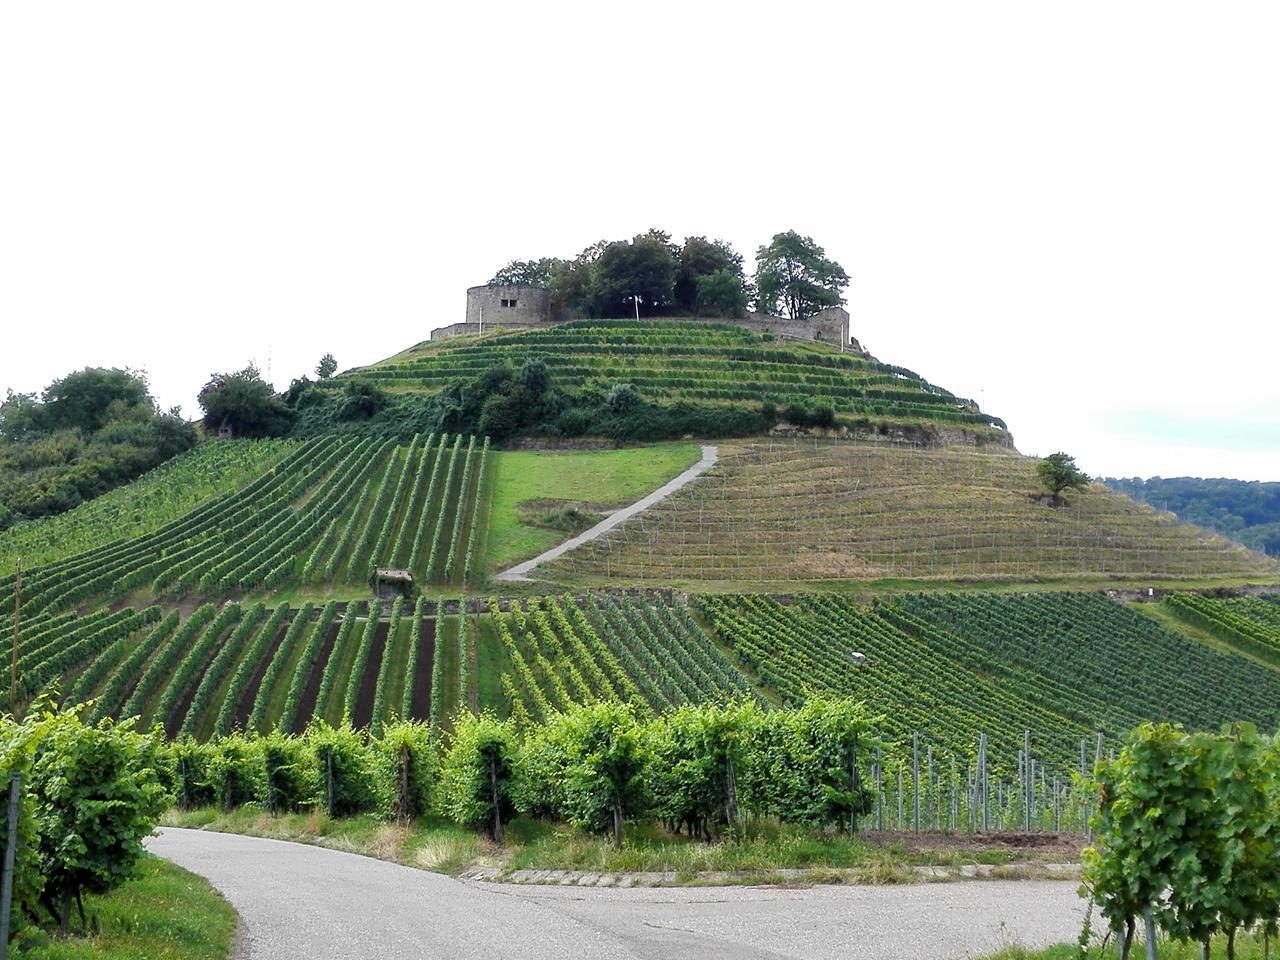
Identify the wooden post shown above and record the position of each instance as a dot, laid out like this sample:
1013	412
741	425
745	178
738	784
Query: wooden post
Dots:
10	853
17	628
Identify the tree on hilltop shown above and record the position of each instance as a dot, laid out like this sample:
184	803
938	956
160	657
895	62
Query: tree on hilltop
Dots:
530	273
246	403
794	277
700	259
636	276
1059	473
327	367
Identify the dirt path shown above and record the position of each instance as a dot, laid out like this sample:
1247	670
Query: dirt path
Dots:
297	901
521	571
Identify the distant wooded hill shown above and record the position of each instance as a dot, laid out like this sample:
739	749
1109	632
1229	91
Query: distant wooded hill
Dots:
1245	510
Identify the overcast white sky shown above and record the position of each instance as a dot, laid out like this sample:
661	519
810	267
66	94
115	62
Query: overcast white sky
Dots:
1068	212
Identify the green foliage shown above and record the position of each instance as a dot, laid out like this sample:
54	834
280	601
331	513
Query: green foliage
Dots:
639	273
698	755
807	765
97	795
235	770
346	769
477	776
532	273
189	760
594	759
245	402
1186	830
94	430
701	259
795	278
327	367
289	772
720	294
411	766
1059	473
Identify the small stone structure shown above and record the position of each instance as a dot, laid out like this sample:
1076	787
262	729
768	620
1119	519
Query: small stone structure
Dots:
525	307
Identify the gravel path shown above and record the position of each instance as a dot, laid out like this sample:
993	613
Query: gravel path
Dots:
297	901
521	571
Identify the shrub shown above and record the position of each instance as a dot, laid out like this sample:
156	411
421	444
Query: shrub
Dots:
289	776
96	797
236	771
345	770
478	774
410	766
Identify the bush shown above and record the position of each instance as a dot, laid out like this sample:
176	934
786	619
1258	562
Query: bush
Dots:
478	774
189	761
236	771
288	769
346	770
410	766
97	795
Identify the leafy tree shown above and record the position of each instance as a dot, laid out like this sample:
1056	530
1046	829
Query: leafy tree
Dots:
699	258
245	402
93	430
640	273
533	273
794	276
721	294
1058	472
327	367
86	399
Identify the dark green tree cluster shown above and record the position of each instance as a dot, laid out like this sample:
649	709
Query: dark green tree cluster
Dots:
1246	510
649	276
506	401
88	432
89	795
245	403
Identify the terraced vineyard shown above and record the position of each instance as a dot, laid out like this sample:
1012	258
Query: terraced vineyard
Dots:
708	363
784	511
329	512
638	649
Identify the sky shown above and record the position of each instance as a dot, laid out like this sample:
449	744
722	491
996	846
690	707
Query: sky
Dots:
1068	213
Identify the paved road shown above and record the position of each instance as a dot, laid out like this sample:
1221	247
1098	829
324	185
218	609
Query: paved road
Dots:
521	571
298	902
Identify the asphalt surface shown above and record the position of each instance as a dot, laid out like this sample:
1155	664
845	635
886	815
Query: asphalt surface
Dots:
521	571
298	901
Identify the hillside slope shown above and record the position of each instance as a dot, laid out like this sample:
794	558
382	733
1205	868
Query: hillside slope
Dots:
706	365
775	512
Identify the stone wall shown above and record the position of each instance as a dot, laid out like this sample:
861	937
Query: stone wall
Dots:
508	306
529	308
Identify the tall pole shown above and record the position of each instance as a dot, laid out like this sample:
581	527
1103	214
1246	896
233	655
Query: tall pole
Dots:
636	301
17	628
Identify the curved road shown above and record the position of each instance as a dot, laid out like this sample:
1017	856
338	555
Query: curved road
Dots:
521	571
298	901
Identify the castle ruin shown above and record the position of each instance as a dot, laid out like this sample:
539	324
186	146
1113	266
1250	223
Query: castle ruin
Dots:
525	307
